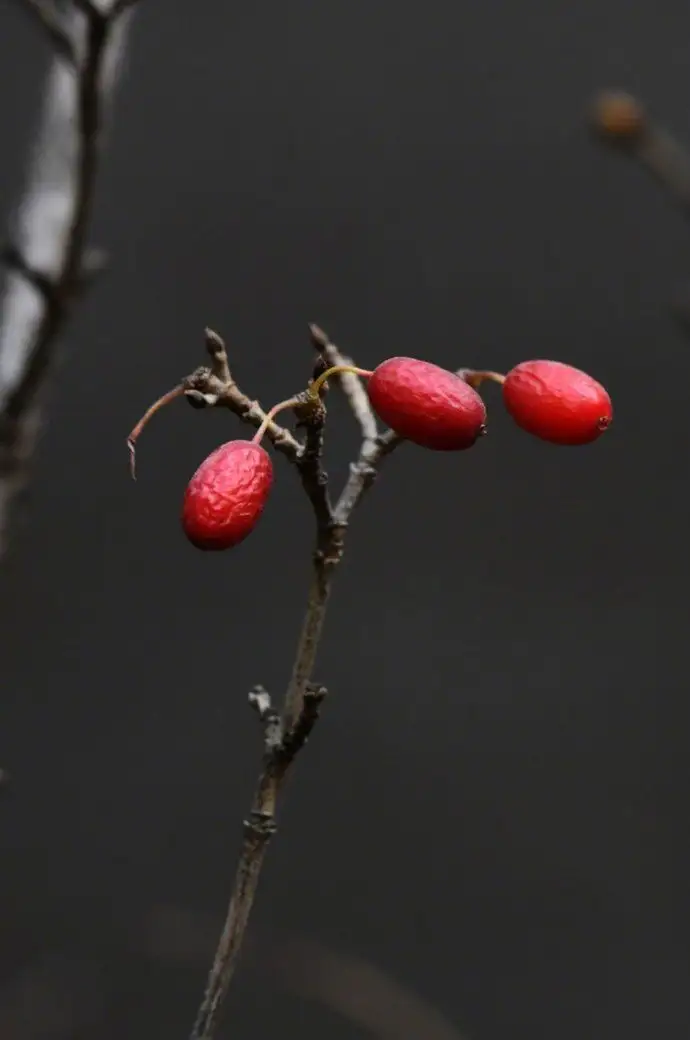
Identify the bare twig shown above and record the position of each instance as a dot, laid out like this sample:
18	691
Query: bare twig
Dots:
363	473
214	386
285	732
299	717
217	387
260	826
49	260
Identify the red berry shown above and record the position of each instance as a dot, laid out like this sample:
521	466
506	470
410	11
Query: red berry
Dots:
226	496
556	402
427	405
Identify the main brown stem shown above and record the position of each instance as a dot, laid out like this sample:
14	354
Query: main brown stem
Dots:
260	826
325	561
298	713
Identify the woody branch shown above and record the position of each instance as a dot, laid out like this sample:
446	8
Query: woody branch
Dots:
286	728
48	258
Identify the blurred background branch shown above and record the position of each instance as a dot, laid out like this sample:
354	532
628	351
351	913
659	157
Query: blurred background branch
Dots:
48	258
346	984
359	991
622	122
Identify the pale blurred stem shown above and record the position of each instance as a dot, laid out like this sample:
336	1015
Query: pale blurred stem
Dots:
302	699
48	260
667	160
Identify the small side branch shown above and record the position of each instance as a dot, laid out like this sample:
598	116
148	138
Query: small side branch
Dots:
363	473
299	734
216	386
259	828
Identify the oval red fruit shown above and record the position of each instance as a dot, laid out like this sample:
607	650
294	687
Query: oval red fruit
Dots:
226	496
557	402
427	405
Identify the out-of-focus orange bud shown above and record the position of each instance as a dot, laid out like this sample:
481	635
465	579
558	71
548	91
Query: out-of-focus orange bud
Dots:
619	116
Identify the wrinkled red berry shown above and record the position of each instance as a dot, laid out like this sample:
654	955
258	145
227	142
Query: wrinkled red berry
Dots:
427	405
226	496
557	402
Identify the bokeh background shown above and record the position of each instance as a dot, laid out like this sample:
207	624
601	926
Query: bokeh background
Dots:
494	808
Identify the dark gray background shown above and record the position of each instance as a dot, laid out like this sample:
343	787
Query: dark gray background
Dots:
494	809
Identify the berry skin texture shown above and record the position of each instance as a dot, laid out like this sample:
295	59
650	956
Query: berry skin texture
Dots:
557	403
226	496
427	405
